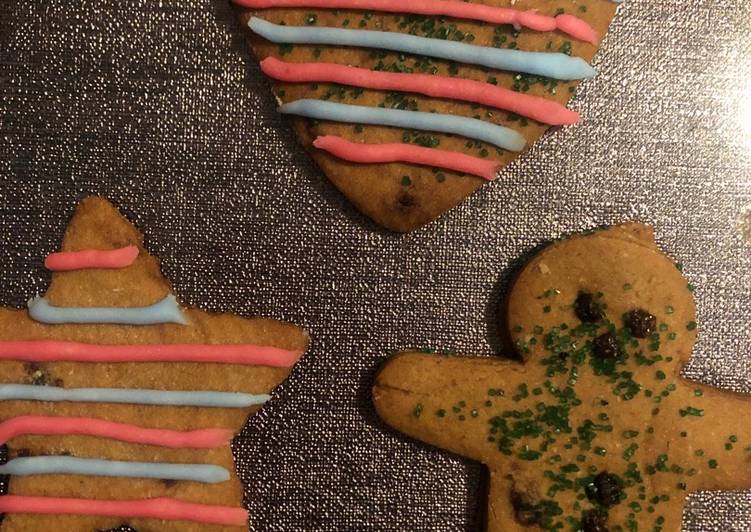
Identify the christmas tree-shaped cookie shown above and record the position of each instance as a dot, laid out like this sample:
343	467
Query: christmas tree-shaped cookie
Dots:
594	429
410	106
117	404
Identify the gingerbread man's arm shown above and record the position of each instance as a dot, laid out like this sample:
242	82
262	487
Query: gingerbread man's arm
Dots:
708	431
422	395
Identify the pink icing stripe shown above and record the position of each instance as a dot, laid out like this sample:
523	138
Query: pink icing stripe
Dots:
576	28
158	508
407	153
55	351
86	426
91	258
540	109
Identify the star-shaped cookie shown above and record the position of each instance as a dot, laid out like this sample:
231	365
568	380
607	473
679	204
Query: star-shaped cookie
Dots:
98	227
593	428
402	196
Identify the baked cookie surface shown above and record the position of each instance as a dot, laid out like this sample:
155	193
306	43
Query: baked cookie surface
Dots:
594	429
399	196
97	225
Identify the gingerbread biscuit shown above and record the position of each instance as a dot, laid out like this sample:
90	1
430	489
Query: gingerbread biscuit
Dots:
97	225
595	429
399	196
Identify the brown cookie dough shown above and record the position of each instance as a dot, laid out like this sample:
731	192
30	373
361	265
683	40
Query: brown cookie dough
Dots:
97	225
595	429
380	190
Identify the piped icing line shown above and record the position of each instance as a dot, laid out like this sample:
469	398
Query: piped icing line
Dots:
91	258
57	351
500	136
407	153
87	426
535	107
70	465
164	311
157	508
551	64
30	392
577	28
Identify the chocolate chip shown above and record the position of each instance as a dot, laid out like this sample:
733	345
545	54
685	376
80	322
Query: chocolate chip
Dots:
606	489
525	511
586	308
606	346
406	201
594	521
640	322
39	375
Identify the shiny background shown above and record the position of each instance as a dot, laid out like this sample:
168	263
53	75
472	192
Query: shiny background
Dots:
157	106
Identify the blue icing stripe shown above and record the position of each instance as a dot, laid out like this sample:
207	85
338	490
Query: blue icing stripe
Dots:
68	465
165	311
500	136
550	64
31	392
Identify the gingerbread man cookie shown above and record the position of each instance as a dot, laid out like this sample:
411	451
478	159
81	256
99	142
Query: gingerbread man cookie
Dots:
117	404
594	429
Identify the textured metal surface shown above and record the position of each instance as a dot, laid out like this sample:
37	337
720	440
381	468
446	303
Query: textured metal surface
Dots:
158	107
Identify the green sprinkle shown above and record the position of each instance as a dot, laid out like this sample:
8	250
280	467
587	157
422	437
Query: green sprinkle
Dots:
530	455
691	325
546	308
691	411
474	413
522	392
311	19
684	434
712	464
627	286
699	452
698	392
406	181
672	336
600	451
728	446
418	410
669	310
630	434
440	177
629	452
660	375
